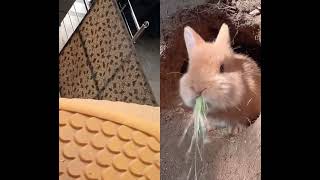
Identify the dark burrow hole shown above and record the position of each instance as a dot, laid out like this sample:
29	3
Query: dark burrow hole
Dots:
184	67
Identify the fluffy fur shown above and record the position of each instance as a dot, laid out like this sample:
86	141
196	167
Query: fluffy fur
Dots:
229	82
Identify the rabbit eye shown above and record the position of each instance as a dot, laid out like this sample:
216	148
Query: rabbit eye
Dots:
222	68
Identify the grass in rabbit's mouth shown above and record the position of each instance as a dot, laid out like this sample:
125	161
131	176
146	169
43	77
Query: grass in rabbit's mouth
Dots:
199	133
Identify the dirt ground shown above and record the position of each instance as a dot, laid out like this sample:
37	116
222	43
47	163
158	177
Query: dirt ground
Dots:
225	158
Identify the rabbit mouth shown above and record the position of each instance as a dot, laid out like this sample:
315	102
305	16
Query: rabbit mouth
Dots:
213	103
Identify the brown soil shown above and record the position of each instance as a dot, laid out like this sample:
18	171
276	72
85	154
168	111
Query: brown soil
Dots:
225	157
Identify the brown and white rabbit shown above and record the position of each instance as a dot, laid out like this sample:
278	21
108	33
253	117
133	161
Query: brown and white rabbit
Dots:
229	82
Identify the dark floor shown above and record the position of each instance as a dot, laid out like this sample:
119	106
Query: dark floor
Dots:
148	50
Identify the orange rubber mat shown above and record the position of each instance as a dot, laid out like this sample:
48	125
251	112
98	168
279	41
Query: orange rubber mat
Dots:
105	140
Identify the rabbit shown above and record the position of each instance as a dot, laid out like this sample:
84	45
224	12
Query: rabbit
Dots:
229	82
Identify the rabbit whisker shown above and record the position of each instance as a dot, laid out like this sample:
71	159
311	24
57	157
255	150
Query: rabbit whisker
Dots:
249	101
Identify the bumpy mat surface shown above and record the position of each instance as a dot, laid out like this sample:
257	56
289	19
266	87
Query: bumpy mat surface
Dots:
99	60
107	140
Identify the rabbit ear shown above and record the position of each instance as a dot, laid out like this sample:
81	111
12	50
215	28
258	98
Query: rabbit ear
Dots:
191	38
223	37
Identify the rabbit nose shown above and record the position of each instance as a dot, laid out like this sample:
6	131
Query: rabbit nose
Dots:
198	89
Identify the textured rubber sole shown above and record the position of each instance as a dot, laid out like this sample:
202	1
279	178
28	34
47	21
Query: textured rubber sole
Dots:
107	140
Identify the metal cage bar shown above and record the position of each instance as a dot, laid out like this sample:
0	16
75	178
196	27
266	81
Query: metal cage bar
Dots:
140	29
